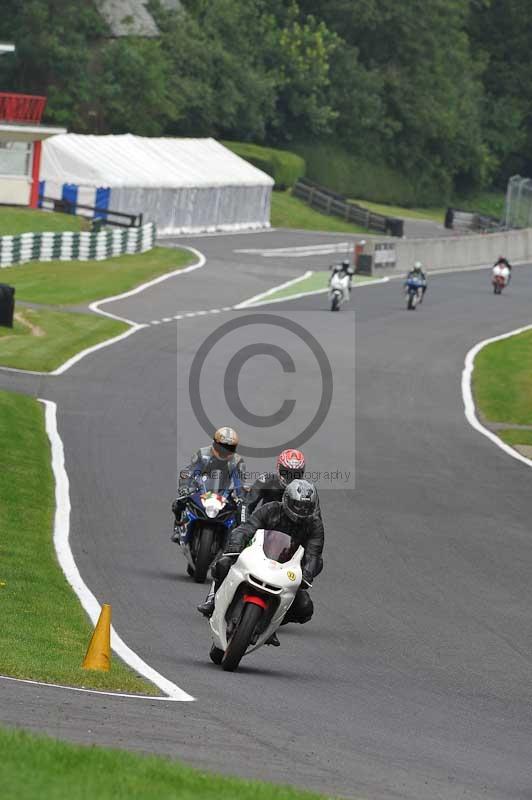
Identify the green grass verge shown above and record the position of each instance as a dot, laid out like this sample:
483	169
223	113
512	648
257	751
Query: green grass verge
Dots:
488	202
491	203
45	632
502	380
316	281
42	340
73	282
27	220
432	214
36	766
515	436
291	212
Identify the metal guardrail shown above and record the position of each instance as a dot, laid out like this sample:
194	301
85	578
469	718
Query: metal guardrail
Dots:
471	221
100	214
329	202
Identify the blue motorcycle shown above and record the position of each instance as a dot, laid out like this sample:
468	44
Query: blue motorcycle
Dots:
210	513
414	292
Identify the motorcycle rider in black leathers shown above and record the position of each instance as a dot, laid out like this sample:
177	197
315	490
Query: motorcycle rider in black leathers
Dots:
295	515
270	485
220	456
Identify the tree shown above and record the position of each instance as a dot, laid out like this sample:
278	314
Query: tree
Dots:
53	54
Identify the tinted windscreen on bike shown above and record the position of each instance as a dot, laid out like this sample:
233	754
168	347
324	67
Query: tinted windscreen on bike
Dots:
215	481
279	546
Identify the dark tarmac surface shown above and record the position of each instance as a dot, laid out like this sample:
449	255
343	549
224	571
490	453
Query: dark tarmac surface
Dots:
414	678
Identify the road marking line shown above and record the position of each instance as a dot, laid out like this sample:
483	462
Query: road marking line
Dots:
88	691
70	569
274	289
300	251
467	394
298	295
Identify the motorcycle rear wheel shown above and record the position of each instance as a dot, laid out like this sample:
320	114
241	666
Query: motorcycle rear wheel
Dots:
241	637
203	554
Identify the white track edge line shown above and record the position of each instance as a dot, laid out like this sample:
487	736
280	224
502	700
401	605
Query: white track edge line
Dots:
70	569
274	289
308	294
135	326
86	691
467	394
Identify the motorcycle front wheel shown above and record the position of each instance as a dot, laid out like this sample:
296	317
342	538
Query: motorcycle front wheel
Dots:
203	554
241	638
335	303
411	302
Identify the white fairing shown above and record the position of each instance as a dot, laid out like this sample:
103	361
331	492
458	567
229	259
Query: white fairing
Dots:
340	282
504	272
254	568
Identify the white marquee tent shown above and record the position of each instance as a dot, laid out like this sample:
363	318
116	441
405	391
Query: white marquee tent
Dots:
183	185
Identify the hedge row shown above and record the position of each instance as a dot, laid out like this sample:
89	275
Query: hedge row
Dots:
284	167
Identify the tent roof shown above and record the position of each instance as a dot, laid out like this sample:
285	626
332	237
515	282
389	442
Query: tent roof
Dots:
139	161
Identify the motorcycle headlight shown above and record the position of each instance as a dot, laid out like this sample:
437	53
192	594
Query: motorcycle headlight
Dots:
211	511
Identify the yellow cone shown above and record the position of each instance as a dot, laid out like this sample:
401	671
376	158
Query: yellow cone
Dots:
99	651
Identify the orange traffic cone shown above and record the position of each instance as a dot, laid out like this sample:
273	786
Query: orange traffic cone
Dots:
99	651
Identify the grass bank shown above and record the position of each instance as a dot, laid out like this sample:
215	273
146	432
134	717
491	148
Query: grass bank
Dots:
491	203
502	384
15	220
45	632
291	212
36	766
42	340
73	282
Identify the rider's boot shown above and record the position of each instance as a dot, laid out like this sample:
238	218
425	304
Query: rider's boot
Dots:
207	607
273	640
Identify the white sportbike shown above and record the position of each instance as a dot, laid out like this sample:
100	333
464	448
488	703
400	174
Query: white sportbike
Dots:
339	289
253	599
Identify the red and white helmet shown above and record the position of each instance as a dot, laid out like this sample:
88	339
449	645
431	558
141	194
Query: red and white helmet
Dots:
290	466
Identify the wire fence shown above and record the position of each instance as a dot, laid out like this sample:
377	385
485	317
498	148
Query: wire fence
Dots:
518	208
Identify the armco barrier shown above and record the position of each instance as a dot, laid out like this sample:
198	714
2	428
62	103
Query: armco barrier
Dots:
457	252
71	246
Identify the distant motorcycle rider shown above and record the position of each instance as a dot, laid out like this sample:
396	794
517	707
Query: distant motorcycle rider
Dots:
418	274
344	269
219	457
296	516
500	265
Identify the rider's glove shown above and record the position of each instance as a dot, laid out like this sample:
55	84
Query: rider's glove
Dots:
306	583
183	492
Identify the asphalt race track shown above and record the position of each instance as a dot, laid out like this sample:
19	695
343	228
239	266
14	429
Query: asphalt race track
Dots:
414	679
